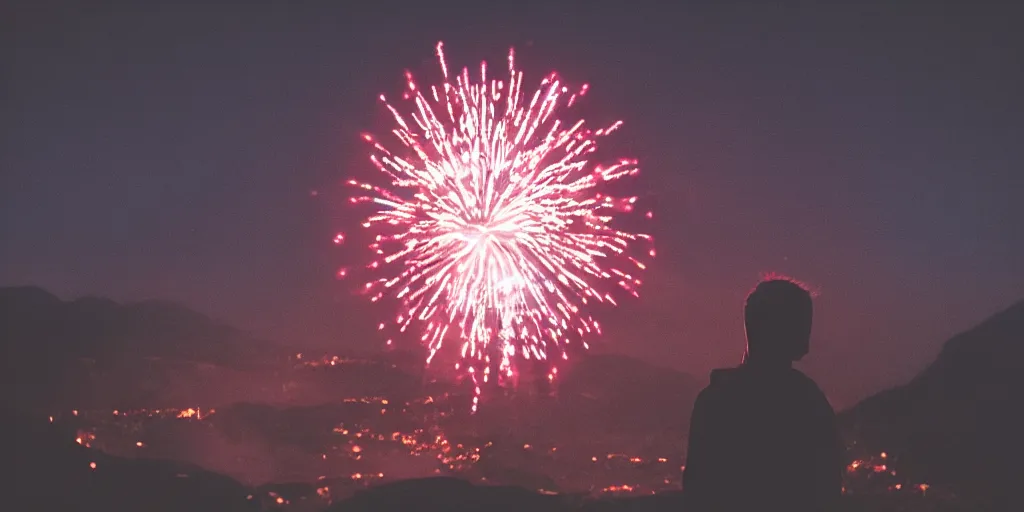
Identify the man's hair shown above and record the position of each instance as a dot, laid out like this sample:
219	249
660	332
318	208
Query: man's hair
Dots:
777	317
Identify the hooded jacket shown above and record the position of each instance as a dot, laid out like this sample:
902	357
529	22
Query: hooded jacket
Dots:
762	438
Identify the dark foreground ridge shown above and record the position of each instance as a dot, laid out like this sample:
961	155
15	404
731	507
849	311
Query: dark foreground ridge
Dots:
55	473
60	475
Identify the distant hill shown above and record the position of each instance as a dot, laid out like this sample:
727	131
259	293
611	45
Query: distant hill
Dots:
959	422
37	323
69	353
95	354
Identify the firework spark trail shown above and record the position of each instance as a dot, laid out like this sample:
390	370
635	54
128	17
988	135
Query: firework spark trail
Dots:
492	227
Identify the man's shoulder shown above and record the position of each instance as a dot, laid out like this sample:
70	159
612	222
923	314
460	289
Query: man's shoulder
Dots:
737	378
806	382
723	375
812	391
721	380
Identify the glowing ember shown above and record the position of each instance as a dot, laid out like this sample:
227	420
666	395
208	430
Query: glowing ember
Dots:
493	228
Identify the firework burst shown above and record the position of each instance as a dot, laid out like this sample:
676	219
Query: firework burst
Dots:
491	229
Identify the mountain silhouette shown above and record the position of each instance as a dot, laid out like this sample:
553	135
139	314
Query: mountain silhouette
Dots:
35	322
95	352
958	423
62	353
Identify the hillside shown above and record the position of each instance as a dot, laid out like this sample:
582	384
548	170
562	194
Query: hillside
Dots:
120	378
127	370
958	423
94	353
36	323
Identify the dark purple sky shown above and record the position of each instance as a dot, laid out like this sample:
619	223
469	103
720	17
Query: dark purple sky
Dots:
165	151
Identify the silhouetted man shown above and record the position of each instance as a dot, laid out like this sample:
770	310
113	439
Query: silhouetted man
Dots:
762	435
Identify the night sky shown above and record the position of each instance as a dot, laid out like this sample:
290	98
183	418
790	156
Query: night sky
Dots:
875	153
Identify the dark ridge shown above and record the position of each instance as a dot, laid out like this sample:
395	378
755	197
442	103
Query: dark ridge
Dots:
958	423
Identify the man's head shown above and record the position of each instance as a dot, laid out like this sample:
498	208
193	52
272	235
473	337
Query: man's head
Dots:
777	318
